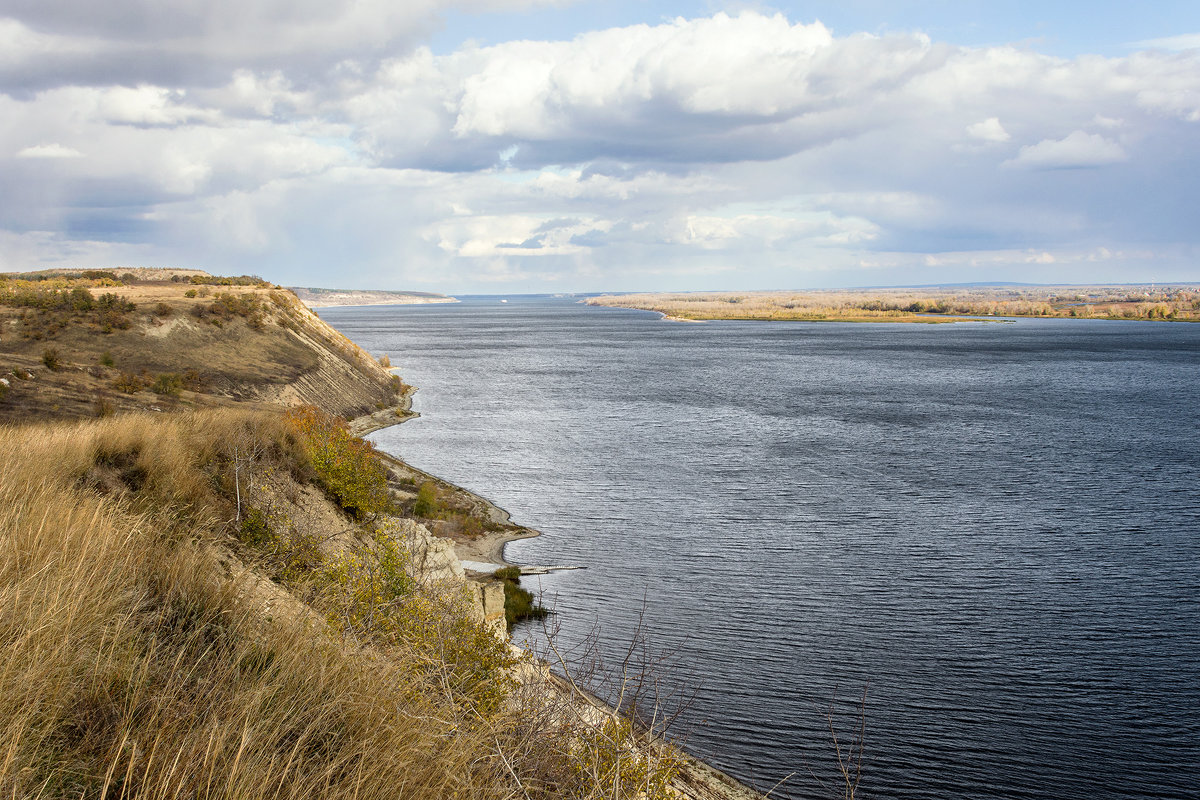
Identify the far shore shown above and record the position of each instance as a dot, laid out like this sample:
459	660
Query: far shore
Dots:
923	305
339	298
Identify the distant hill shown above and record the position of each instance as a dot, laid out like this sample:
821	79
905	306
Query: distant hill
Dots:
325	298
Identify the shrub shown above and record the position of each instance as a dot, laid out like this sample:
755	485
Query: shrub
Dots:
163	310
103	407
50	358
190	293
168	383
113	302
194	380
129	383
256	530
427	504
345	464
369	580
80	299
111	320
106	359
605	762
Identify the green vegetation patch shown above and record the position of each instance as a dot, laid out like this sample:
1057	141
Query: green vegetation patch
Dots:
519	603
51	305
345	464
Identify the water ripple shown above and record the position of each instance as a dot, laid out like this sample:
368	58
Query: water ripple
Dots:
995	528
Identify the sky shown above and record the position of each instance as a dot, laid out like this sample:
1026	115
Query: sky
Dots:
507	146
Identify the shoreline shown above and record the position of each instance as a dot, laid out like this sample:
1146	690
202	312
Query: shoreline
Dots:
696	779
316	298
488	548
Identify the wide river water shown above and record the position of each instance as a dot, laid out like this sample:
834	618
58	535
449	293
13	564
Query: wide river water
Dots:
992	527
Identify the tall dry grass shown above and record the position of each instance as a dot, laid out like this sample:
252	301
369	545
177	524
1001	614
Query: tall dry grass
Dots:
138	660
131	668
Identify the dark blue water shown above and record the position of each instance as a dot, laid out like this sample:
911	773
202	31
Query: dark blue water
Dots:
994	528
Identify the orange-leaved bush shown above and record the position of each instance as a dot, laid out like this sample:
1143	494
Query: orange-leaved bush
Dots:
345	464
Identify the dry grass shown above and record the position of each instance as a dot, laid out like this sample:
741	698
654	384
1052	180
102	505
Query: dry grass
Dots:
138	660
924	305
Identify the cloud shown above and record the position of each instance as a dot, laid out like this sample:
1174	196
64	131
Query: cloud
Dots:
1077	150
51	150
741	88
198	42
732	145
989	130
1187	41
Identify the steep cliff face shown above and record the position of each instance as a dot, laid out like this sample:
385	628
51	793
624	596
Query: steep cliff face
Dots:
340	377
299	511
433	560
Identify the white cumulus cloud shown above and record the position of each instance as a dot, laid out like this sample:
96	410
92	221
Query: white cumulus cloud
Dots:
51	150
1079	149
989	130
736	144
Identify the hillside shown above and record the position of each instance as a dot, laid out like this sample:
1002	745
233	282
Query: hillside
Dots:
86	344
224	604
210	587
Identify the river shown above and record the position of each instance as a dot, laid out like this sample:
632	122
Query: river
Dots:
992	528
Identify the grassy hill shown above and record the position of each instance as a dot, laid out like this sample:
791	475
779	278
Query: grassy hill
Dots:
78	345
209	588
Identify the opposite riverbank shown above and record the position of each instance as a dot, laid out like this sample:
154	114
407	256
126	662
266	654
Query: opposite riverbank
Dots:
923	305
